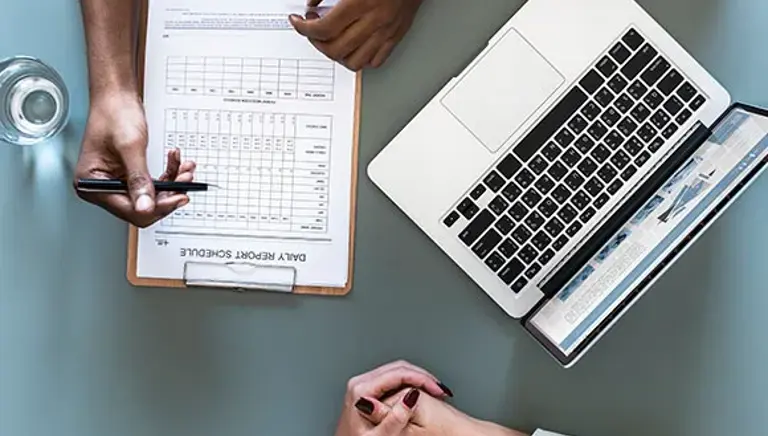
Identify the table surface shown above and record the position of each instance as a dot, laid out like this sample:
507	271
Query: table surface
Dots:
83	353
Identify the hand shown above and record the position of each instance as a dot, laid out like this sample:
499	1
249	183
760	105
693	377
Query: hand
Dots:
364	392
115	147
358	33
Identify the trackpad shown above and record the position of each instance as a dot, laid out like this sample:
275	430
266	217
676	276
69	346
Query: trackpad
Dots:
503	90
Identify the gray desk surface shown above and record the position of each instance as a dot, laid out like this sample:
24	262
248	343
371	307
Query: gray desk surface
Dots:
83	353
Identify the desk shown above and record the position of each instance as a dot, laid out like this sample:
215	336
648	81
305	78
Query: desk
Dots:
82	353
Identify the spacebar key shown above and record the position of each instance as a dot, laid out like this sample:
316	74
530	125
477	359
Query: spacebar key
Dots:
477	227
550	124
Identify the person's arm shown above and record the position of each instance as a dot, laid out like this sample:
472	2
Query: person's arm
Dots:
115	140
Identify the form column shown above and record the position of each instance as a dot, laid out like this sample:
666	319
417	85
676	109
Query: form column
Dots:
206	170
193	151
265	187
289	148
218	150
289	79
194	78
170	144
270	78
231	169
312	173
256	171
175	75
316	80
214	76
251	77
241	169
233	76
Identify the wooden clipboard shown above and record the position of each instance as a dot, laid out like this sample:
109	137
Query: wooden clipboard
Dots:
133	232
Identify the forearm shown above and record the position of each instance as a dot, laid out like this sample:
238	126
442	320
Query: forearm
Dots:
109	32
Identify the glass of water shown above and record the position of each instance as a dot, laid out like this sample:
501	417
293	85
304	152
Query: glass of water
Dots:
34	103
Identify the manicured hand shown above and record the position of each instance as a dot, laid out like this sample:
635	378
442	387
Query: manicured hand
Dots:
364	391
358	33
115	147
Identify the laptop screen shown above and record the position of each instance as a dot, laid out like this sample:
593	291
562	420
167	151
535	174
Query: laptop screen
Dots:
732	156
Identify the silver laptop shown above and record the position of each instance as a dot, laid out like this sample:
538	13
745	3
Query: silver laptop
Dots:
570	163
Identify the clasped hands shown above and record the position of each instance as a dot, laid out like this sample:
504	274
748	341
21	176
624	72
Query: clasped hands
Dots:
402	399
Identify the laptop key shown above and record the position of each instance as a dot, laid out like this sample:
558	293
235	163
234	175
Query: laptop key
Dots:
620	53
587	215
548	207
601	153
633	39
560	243
607	173
519	285
494	262
521	235
478	192
607	66
538	165
683	116
531	198
486	244
505	225
618	83
557	171
660	119
567	214
633	146
587	167
574	180
546	256
494	181
669	131
598	130
581	200
574	229
639	61
498	205
673	105
637	90
561	194
697	102
613	140
584	144
477	227
511	192
653	99
670	82
565	138
532	271
646	132
594	186
451	219
627	127
508	248
600	201
511	271
641	113
554	227
528	254
518	211
559	115
604	97
642	158
509	166
686	92
468	208
578	124
610	117
592	81
544	184
655	71
551	151
614	187
656	145
525	178
534	221
620	160
541	241
628	172
571	157
591	110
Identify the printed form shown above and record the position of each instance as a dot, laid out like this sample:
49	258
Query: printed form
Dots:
267	118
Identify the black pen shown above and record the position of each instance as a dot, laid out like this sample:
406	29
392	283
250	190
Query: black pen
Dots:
120	186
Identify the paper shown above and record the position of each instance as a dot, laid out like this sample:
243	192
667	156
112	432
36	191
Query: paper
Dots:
266	117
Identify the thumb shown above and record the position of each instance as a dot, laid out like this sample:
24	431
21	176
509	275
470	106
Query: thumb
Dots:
140	186
399	417
314	3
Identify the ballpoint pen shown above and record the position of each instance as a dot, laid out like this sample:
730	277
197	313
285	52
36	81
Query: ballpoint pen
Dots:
120	186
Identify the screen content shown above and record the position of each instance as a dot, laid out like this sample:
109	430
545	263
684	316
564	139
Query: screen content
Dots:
738	144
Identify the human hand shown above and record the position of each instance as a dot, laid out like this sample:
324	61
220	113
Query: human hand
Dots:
358	33
364	392
115	147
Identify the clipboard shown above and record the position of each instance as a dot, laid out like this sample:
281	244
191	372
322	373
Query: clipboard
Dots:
241	277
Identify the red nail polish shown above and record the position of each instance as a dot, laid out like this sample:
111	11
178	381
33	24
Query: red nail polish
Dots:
445	389
364	405
411	398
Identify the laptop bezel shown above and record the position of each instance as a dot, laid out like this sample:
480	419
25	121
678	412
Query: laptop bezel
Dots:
657	272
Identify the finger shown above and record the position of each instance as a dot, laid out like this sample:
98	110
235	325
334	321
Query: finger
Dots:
119	206
314	3
363	55
399	416
188	167
173	165
372	410
371	375
168	205
332	25
398	378
349	41
140	186
383	54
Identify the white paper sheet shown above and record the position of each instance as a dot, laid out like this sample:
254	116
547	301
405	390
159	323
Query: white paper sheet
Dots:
266	117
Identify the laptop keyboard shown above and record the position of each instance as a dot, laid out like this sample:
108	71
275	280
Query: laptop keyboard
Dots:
603	131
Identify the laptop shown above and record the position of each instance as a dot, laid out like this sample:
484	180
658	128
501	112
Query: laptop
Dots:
570	163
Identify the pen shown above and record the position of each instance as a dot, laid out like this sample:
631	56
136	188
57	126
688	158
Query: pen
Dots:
120	186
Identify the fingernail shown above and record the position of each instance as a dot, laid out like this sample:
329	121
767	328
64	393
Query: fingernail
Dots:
445	389
144	203
411	398
296	17
183	203
365	406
